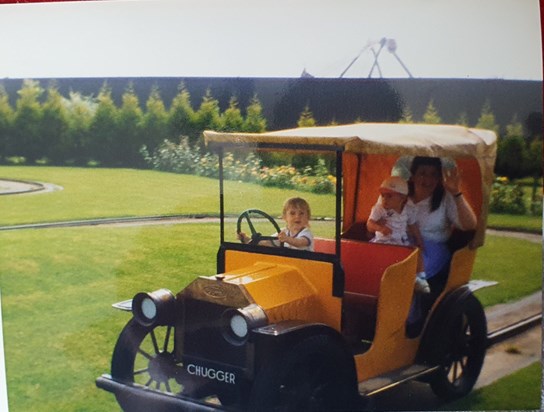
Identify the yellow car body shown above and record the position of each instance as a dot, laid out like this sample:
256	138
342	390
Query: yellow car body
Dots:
245	334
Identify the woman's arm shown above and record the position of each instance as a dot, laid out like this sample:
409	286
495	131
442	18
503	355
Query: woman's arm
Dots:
467	217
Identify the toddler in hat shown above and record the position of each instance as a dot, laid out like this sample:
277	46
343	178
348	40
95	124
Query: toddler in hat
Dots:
393	221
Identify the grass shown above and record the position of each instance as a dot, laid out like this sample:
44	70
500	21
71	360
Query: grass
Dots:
58	285
524	223
514	392
515	264
96	193
57	291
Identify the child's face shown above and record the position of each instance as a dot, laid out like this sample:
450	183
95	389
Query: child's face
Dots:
393	200
296	218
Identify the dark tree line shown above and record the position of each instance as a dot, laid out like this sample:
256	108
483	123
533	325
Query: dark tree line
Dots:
45	127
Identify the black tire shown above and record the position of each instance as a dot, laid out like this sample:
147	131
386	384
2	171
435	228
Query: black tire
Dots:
144	355
317	373
463	342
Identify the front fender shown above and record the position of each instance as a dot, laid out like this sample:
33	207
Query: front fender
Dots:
272	340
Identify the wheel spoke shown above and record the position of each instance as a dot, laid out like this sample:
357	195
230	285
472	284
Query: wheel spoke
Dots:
167	339
250	224
455	375
167	386
154	340
140	371
149	382
145	354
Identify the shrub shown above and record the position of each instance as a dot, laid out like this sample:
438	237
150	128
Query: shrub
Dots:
279	176
16	160
246	169
324	181
207	165
171	157
181	158
507	197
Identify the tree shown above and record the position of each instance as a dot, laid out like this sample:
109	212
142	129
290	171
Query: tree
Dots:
512	153
28	141
208	114
407	115
181	117
155	121
431	115
254	121
306	118
515	128
129	140
487	119
232	120
534	168
534	158
80	111
6	123
463	119
54	125
103	128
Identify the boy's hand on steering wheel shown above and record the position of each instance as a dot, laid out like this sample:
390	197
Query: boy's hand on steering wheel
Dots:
242	237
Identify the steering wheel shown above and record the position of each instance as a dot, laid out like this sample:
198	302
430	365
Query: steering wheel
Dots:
256	237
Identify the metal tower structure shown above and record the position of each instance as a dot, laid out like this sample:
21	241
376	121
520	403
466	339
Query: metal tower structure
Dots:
391	45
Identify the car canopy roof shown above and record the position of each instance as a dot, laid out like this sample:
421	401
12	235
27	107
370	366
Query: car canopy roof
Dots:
372	150
378	138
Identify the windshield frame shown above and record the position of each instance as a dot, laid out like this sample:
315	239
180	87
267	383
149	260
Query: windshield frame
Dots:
221	147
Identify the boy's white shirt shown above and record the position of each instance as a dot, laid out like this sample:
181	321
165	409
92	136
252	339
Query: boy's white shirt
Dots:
303	233
397	222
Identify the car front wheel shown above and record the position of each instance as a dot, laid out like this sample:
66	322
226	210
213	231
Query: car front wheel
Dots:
144	355
315	374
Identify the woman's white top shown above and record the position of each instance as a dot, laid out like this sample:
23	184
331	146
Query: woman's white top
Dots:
437	225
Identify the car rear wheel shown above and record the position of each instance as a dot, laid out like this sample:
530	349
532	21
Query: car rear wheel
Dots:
315	374
463	343
144	355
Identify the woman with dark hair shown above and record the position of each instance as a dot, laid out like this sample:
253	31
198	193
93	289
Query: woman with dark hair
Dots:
440	206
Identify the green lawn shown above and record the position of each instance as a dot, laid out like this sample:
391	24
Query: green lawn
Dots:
57	289
515	264
514	392
524	223
96	193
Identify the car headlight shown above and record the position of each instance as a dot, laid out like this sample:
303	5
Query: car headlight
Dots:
238	322
154	308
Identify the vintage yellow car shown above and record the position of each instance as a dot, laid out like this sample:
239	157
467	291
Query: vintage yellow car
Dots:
283	329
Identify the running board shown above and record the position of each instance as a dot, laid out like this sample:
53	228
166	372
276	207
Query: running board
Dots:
373	386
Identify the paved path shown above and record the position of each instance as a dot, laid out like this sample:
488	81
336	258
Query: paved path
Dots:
515	353
20	187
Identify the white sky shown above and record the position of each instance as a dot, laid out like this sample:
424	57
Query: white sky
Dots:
279	38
